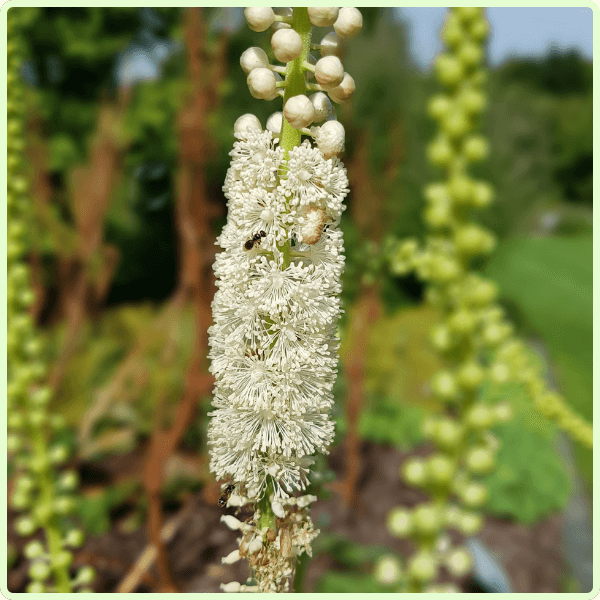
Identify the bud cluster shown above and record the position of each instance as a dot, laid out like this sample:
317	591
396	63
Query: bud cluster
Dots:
474	337
44	495
274	348
331	82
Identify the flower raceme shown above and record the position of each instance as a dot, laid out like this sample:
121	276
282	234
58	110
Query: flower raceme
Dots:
273	343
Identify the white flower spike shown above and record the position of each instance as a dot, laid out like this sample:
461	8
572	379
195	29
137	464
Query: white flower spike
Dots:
273	344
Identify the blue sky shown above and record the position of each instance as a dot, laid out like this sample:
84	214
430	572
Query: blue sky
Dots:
515	31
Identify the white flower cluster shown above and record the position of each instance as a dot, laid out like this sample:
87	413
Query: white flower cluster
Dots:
273	342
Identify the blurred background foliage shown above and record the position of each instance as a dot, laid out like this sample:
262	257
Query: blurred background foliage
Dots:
538	124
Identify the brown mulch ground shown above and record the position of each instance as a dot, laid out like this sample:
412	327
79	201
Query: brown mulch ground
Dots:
531	555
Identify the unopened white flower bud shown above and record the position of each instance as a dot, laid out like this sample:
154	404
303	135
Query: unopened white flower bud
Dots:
286	44
349	22
322	106
344	90
231	587
322	17
330	138
299	111
278	509
231	522
255	545
388	571
259	18
329	72
231	558
245	122
275	123
262	84
331	45
303	501
254	58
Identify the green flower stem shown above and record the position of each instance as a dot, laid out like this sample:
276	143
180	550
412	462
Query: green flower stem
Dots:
295	85
267	516
295	79
51	528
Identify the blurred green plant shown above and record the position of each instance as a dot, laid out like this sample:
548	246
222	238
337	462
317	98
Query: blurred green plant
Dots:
473	336
45	495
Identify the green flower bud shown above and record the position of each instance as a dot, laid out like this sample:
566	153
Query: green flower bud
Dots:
438	216
449	70
471	101
452	515
448	435
470	375
479	30
440	151
472	239
441	469
503	412
461	322
453	34
15	420
25	526
43	512
34	549
388	570
86	575
427	519
480	460
470	523
467	14
455	125
63	559
399	522
41	396
422	566
64	505
443	385
483	293
25	483
475	148
460	189
20	500
499	373
469	55
58	454
441	338
474	494
37	418
13	443
39	571
459	562
74	539
68	481
439	106
36	587
479	416
414	472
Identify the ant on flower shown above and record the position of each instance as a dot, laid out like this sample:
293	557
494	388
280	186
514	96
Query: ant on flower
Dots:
255	239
